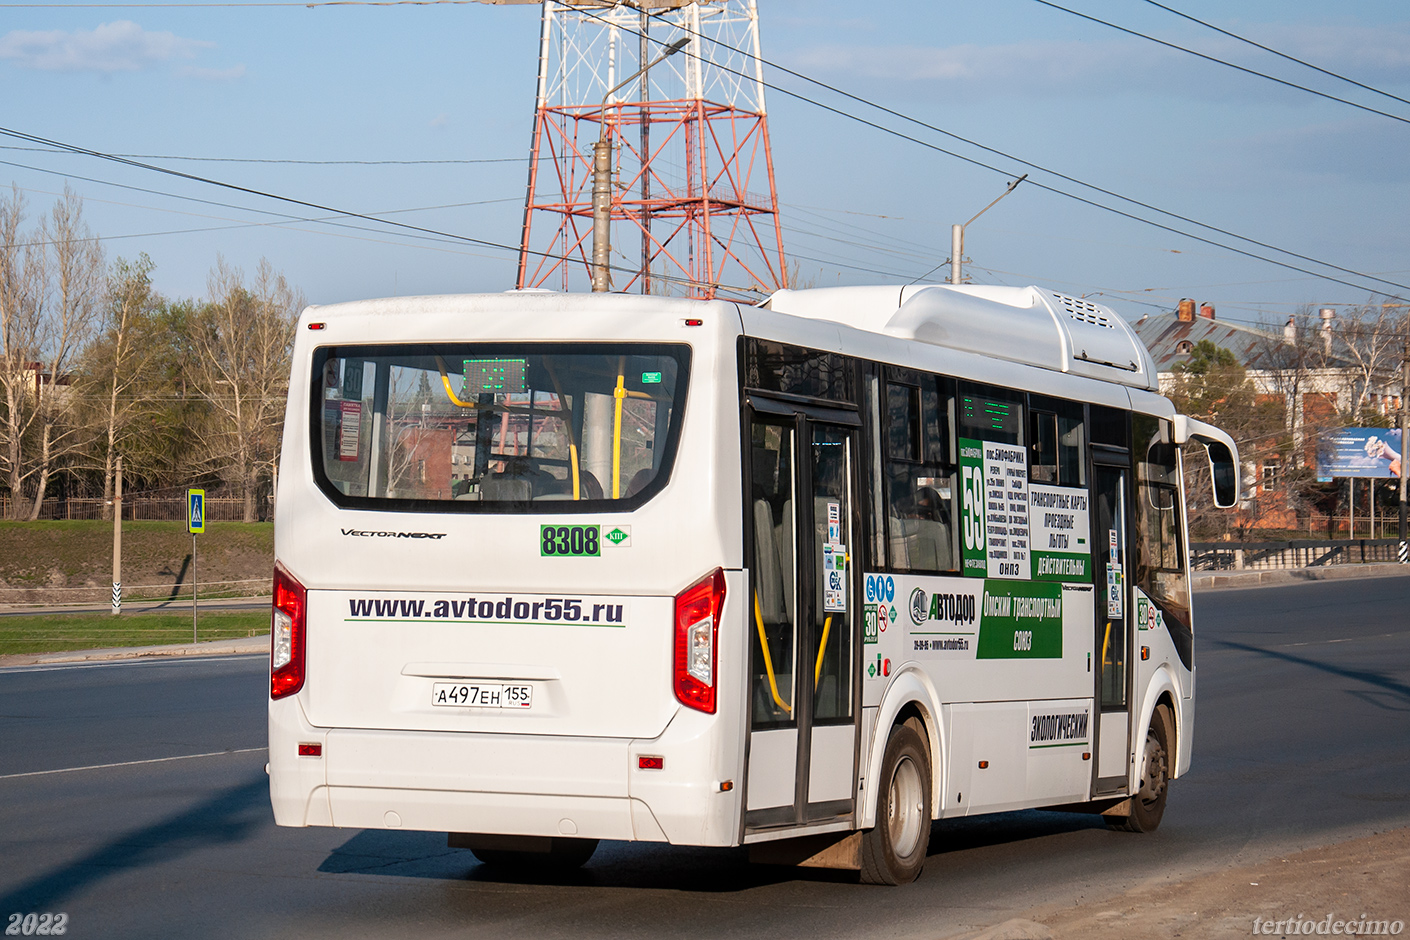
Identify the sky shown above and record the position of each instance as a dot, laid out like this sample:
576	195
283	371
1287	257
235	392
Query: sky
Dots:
449	82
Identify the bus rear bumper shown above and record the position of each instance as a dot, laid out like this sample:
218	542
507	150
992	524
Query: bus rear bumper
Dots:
504	784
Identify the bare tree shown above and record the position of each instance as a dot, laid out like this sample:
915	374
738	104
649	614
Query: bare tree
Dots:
240	341
21	303
120	391
77	271
1368	337
50	282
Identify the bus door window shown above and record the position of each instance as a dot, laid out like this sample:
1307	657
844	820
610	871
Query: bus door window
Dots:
1112	616
772	513
832	546
1160	560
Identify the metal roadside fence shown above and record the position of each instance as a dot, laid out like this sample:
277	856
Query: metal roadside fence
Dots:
1294	553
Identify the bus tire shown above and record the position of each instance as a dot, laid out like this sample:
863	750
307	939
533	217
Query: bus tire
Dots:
563	855
1148	802
893	851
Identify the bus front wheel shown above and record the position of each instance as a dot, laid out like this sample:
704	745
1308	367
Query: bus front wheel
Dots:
893	851
1148	803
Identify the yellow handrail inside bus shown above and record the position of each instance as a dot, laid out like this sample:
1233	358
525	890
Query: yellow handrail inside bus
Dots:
822	650
768	660
1106	643
450	393
618	394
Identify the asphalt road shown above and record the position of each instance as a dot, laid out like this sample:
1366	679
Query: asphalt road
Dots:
1302	740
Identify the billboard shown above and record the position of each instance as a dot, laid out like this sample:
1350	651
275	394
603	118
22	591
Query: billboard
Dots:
1359	452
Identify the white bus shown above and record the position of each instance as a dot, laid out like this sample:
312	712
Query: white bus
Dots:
805	576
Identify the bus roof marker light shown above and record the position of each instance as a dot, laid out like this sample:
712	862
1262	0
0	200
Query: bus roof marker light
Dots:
317	326
692	321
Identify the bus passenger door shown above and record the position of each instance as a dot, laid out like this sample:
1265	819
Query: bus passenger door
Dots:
803	686
1114	617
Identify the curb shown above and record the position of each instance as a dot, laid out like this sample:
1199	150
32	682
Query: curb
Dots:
242	645
1240	579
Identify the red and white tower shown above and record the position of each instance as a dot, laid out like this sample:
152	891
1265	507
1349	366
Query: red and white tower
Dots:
693	207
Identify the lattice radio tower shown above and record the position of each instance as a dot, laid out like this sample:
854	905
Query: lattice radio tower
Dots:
693	206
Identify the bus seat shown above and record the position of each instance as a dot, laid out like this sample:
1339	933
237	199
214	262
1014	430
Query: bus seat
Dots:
786	542
504	488
639	481
588	487
768	581
899	547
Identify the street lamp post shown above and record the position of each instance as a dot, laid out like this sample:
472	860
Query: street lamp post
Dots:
602	177
957	235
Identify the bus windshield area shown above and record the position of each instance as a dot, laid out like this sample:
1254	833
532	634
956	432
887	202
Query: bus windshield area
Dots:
494	427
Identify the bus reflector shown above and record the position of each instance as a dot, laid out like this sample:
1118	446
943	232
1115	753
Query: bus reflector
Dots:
310	750
697	638
286	635
651	763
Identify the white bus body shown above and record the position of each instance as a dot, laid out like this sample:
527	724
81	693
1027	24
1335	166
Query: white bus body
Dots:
451	654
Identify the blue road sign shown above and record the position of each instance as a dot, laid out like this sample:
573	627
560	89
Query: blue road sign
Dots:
196	511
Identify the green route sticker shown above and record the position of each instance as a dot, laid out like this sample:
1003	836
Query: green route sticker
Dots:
651	378
1020	620
570	541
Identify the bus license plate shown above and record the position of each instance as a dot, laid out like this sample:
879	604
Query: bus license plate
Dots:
483	694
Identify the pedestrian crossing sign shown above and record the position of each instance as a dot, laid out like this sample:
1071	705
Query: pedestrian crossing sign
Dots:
196	511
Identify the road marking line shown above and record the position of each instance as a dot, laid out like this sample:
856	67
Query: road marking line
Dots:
146	659
130	763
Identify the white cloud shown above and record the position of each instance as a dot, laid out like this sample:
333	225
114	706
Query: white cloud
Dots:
122	46
440	120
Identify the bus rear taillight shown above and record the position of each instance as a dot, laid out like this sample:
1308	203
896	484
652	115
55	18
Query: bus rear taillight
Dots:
697	638
286	658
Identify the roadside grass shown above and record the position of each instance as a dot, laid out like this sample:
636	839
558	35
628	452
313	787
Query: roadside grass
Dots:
57	633
71	560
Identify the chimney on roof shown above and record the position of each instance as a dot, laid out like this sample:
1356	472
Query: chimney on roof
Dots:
1186	310
1206	310
1290	332
1327	314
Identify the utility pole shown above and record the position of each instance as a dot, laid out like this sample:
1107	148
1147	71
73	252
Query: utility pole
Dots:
117	538
602	177
1404	443
957	235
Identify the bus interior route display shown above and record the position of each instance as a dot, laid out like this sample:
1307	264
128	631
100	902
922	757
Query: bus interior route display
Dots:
499	376
1001	416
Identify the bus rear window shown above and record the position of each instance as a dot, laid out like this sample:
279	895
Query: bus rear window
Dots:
496	427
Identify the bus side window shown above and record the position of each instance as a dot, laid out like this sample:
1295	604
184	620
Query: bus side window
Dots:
1057	441
917	475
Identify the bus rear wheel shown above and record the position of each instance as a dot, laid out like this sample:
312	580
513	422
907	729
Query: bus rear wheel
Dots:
1148	803
893	851
562	855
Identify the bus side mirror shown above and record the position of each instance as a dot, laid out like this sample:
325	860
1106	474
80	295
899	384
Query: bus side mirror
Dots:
1224	473
1223	457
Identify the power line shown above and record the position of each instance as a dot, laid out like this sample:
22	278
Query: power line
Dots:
422	230
1219	61
987	166
1281	55
167	156
168	6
